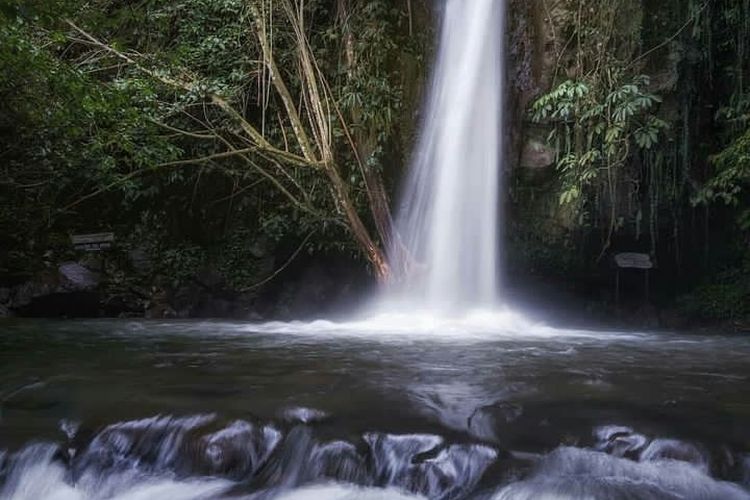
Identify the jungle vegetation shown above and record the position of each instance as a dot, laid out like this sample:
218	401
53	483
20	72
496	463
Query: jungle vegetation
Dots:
224	131
648	113
183	123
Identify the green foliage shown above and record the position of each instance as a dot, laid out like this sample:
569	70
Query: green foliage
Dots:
65	133
181	262
732	174
596	129
92	142
724	297
243	259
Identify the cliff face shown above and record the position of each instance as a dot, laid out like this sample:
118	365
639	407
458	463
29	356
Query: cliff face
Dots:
685	60
539	229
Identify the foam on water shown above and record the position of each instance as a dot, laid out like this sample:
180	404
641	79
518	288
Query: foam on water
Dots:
346	492
474	325
393	467
189	458
576	474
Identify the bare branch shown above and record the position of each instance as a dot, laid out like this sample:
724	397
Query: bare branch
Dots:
205	159
278	82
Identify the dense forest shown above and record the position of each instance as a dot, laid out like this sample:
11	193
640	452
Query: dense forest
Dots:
247	154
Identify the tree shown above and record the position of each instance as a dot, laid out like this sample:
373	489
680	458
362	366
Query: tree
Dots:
309	119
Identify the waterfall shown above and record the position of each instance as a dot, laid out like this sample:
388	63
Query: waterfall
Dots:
446	250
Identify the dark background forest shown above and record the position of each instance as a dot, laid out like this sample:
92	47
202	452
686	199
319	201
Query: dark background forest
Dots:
246	154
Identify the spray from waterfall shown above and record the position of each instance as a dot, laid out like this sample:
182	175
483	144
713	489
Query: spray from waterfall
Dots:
446	251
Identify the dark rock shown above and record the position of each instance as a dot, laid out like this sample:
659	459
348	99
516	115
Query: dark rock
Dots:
672	449
184	300
572	473
420	463
70	291
25	293
536	155
76	277
619	441
239	449
158	306
140	261
339	461
320	287
486	421
304	415
210	277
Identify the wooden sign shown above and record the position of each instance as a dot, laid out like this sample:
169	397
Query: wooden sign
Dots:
633	261
93	242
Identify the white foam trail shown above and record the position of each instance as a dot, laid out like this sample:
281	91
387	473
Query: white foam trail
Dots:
573	474
446	255
342	492
37	476
477	325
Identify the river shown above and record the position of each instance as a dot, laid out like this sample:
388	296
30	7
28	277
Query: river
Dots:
200	410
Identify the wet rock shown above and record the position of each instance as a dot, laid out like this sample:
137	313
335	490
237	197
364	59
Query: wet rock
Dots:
240	449
290	463
158	305
340	461
416	463
391	454
672	449
24	294
573	473
75	277
453	473
304	415
68	290
69	428
5	312
155	444
537	155
37	396
488	421
619	441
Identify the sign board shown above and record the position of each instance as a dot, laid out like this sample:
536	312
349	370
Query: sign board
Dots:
634	261
92	242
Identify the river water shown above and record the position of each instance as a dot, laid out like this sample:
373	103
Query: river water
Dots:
202	410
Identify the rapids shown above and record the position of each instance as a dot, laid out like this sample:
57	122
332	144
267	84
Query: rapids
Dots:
95	410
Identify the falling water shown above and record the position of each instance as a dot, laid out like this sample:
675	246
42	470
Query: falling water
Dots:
447	251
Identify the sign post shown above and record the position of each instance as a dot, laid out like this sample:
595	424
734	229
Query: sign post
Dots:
94	242
630	260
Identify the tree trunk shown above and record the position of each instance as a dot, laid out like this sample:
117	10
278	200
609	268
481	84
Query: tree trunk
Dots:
372	251
365	143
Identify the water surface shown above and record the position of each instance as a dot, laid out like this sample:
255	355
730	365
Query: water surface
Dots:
134	409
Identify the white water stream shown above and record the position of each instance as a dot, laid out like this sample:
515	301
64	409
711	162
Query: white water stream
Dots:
447	250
